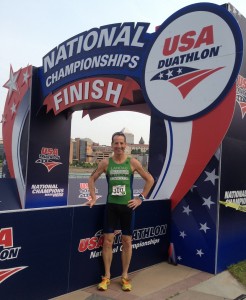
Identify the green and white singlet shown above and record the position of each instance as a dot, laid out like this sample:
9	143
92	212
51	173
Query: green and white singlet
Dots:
120	179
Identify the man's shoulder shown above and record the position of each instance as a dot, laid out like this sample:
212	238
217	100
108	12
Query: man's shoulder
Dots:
135	164
103	164
105	161
133	160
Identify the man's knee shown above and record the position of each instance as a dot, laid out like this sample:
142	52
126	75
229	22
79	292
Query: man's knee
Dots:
108	241
126	242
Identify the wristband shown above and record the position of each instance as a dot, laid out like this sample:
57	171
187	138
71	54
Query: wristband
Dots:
141	197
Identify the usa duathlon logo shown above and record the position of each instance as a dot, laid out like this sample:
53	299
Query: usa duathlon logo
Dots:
191	66
6	273
8	252
85	193
49	157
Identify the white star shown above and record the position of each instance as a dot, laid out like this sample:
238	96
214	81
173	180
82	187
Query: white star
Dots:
199	252
187	210
204	227
179	258
183	234
161	75
11	84
179	71
208	202
169	73
13	108
211	177
3	119
26	76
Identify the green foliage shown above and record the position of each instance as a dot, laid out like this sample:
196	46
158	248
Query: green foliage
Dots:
85	165
138	151
239	271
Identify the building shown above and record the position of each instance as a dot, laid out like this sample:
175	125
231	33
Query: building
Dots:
139	148
80	150
141	152
85	150
101	152
129	135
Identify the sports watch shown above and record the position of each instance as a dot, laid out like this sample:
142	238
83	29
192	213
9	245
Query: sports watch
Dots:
141	197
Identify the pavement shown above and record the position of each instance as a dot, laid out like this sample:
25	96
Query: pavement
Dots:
167	281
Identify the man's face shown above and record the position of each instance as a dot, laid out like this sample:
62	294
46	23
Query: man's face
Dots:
118	144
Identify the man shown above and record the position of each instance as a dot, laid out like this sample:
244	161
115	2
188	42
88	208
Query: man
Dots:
120	205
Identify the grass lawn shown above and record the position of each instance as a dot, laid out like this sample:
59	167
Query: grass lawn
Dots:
239	271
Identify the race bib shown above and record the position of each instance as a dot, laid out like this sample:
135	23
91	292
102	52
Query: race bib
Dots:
119	190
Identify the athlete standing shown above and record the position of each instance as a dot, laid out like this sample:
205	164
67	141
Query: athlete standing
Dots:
120	205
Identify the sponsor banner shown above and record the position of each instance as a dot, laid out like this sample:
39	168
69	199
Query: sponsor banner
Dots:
48	156
44	259
46	184
34	253
150	241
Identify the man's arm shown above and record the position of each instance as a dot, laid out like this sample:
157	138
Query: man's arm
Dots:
149	181
102	167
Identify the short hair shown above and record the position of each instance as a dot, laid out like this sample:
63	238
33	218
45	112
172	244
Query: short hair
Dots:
120	133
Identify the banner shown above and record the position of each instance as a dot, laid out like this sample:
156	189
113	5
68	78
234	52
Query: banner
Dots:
47	253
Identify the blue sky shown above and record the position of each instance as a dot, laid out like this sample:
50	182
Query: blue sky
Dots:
29	29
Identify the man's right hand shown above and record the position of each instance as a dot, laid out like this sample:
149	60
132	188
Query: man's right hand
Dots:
91	203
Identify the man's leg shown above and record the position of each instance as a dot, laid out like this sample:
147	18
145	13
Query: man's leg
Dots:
126	254
107	253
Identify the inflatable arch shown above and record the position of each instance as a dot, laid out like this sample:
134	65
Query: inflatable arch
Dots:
168	74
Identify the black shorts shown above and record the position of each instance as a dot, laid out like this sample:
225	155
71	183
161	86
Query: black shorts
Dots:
119	216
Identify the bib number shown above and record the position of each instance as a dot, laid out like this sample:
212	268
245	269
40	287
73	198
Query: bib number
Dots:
119	190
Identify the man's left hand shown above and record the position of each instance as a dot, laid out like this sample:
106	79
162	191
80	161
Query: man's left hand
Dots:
134	203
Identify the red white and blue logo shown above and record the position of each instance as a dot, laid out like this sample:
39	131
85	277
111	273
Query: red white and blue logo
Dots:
8	252
189	81
49	157
193	61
